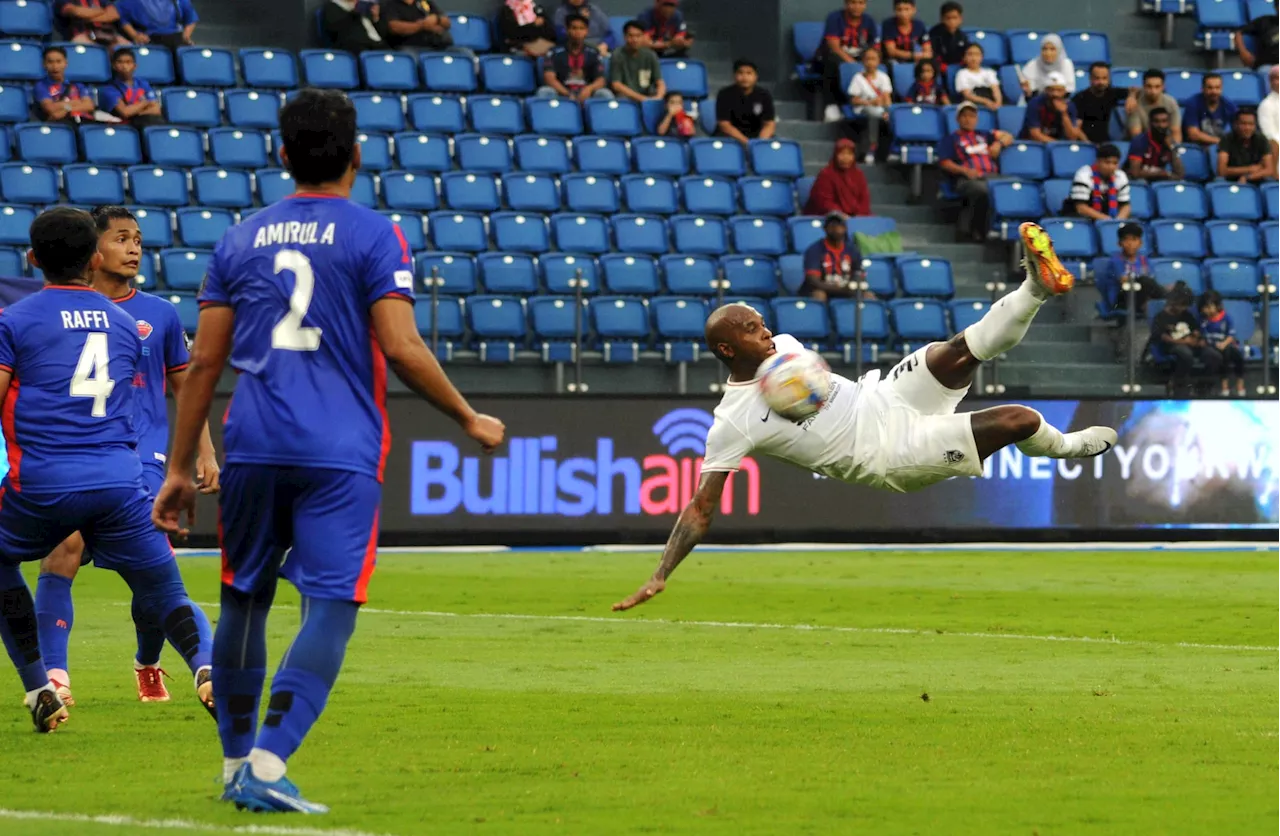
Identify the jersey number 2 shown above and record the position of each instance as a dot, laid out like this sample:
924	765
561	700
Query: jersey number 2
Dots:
289	333
92	378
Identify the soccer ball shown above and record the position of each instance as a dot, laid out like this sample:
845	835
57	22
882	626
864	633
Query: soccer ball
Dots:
795	385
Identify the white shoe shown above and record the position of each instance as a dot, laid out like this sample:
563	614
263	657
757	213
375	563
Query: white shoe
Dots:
1087	443
832	114
870	159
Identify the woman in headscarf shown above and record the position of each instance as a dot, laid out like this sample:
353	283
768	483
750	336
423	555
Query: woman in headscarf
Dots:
1052	59
524	26
840	187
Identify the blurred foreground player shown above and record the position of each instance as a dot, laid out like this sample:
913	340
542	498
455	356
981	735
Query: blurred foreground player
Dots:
164	359
310	298
898	434
67	358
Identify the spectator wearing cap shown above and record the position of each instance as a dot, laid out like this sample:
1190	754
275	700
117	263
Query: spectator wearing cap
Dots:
840	187
90	22
1265	31
1051	115
574	70
947	40
170	23
57	99
832	264
1098	103
1039	72
744	110
414	25
903	37
599	29
129	97
1209	114
634	72
525	27
353	26
1244	155
665	27
847	32
1153	96
1269	112
1151	155
971	156
1100	192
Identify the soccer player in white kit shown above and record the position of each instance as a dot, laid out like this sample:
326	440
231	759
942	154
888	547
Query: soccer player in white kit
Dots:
900	433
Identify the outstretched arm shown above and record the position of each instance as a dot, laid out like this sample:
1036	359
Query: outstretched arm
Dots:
689	530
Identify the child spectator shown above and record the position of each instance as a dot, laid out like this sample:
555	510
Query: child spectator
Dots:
599	29
947	40
57	99
130	98
871	93
574	70
414	25
847	33
353	26
668	33
927	89
744	110
976	83
1151	156
675	122
90	22
840	187
170	23
1051	116
1100	192
903	36
1052	59
524	26
1209	114
1176	339
1220	337
635	72
1131	266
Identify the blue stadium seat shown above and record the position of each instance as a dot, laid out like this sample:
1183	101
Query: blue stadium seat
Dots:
496	115
1243	87
1196	163
806	38
508	74
690	275
365	190
378	112
708	195
184	106
423	152
238	148
639	234
226	187
1243	316
678	323
25	19
470	32
155	64
1270	239
1169	271
629	274
648	194
47	143
1012	202
375	151
1232	201
92	185
903	75
917	129
879	274
509	273
329	68
87	63
1232	278
447	73
1085	47
184	269
520	232
554	321
555	117
967	312
750	275
397	71
874	326
269	68
699	234
457	272
156	226
411	227
1183	84
482	153
1271	199
765	196
174	146
1026	159
15	225
1009	118
575	232
203	66
1010	84
1180	200
188	310
1217	21
15	105
13	262
527	192
754	235
1066	158
1074	240
1178	239
718	156
601	155
655	155
919	321
995	49
777	158
803	230
411	192
202	228
622	326
1233	239
613	117
461	231
437	114
448	320
559	272
688	78
926	277
26	183
804	319
986	118
273	184
1024	44
499	325
21	60
251	109
590	193
1142	201
540	154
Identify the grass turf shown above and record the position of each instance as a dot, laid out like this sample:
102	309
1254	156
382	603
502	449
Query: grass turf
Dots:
464	724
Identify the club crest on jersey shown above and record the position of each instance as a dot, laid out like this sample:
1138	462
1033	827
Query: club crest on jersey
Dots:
144	328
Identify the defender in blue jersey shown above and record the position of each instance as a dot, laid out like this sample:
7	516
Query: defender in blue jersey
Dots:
164	360
67	356
311	298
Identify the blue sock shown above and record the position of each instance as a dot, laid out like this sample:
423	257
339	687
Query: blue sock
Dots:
55	614
301	687
18	628
240	667
160	596
150	636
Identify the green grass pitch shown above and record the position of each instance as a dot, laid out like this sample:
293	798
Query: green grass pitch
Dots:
496	694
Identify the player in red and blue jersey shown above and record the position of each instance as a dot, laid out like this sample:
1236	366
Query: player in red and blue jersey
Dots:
164	360
310	299
67	356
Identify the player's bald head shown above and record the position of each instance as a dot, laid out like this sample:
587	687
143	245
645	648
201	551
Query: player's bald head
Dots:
725	324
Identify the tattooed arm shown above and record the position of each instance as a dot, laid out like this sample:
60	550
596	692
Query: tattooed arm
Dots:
688	532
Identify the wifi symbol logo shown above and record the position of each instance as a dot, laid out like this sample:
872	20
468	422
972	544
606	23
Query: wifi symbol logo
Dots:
684	430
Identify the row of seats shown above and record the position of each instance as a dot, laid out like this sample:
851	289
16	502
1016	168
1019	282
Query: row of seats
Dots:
1016	46
1233	278
1014	201
1217	21
1077	241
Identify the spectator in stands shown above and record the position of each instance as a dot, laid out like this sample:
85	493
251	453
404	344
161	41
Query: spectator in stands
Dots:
1100	192
353	26
1175	336
574	70
832	264
970	157
523	26
1269	113
871	93
1129	265
1051	116
840	187
1265	31
1153	96
1220	338
1244	155
599	29
977	84
668	33
128	97
847	33
1037	72
57	99
1097	103
169	23
634	72
744	111
927	88
90	22
1151	155
675	120
903	37
947	40
1208	116
414	25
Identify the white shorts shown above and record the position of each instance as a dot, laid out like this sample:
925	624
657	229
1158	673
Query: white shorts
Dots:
922	439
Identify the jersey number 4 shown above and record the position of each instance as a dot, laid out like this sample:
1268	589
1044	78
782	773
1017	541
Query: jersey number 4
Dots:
92	378
289	334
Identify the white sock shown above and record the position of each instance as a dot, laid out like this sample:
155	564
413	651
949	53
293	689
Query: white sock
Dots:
1006	323
30	698
230	766
1052	442
267	766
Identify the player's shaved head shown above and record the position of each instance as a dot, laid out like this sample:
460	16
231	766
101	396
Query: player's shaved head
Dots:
63	243
736	333
319	132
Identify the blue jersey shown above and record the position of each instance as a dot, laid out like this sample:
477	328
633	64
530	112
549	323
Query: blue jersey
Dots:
164	350
301	276
68	414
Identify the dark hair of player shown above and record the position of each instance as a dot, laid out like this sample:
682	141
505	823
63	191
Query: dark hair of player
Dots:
319	132
104	215
64	240
1109	152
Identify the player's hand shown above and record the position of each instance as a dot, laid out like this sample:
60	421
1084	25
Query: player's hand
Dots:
487	431
177	494
207	474
650	588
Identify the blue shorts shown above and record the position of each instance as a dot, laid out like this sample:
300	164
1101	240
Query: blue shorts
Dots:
152	477
327	518
115	523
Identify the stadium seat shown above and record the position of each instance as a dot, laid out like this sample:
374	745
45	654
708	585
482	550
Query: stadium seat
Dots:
184	106
804	319
1009	118
1086	47
25	18
555	321
1178	239
878	272
1271	199
1010	83
155	64
1012	202
1183	84
47	143
13	262
590	193
874	327
1217	20
1026	159
655	155
270	68
520	232
540	154
496	115
365	190
411	227
512	74
446	73
423	152
554	117
765	196
448	321
750	275
188	310
411	192
754	235
777	158
926	277
378	112
394	71
1074	240
966	312
1232	239
1142	201
690	275
184	269
1242	87
622	326
919	321
202	228
1180	200
560	272
526	192
688	78
1065	158
15	224
456	272
236	148
574	232
251	109
629	274
699	234
156	226
601	155
1234	279
718	156
613	117
1169	271
806	38
273	184
708	195
437	114
225	187
1270	233
174	146
329	68
21	61
499	326
803	230
87	63
14	105
202	66
482	153
678	324
647	194
508	273
638	234
92	185
159	186
375	151
470	32
1232	201
460	231
916	129
995	48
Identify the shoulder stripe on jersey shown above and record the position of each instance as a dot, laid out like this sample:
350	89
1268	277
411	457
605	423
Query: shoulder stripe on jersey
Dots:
213	303
405	257
4	368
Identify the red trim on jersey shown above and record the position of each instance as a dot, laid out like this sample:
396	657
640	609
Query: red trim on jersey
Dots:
68	287
133	291
370	560
380	398
316	195
10	436
405	257
213	303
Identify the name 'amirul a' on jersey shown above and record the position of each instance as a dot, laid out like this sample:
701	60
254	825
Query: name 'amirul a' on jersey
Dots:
164	350
301	276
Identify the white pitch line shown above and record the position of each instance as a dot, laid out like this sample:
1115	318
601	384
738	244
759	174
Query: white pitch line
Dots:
176	824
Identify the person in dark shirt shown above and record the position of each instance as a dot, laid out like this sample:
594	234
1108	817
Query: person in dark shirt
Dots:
1244	155
1265	31
946	39
1151	155
57	99
1176	339
1208	115
744	111
847	32
416	24
90	22
1051	115
128	97
524	26
575	70
1220	338
353	26
1098	102
903	37
970	157
832	263
927	88
668	33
